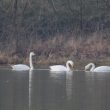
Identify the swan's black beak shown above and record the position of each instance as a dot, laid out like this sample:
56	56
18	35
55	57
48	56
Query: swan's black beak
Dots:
71	66
86	68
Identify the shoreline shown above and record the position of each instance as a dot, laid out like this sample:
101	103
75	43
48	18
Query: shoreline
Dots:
58	50
77	64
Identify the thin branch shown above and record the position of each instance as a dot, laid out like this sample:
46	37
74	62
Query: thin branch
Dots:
53	5
69	6
107	3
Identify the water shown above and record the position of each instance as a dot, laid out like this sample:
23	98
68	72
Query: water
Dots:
42	90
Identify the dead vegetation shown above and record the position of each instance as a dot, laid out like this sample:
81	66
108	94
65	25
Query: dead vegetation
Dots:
58	50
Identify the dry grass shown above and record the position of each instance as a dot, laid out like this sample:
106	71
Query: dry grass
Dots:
58	50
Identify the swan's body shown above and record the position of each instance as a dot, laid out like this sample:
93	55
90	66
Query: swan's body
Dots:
97	69
68	67
22	67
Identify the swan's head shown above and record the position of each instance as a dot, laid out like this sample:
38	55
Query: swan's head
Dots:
88	66
70	65
32	53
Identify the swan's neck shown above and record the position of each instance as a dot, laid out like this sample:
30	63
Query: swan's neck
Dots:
92	66
68	67
31	64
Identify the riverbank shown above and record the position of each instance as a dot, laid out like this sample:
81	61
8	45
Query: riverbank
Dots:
57	50
78	64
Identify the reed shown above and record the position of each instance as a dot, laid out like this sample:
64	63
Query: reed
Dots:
59	49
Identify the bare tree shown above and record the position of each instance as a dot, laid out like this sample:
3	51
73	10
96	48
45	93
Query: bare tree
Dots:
81	17
107	3
53	5
14	23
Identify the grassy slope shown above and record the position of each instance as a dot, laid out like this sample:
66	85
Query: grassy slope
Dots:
58	50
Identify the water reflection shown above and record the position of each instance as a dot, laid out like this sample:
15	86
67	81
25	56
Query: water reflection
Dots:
43	90
30	88
13	90
65	78
98	88
69	78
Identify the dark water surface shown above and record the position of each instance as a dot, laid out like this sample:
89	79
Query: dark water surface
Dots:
42	90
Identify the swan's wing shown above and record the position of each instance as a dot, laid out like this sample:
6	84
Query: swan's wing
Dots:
20	67
58	68
102	69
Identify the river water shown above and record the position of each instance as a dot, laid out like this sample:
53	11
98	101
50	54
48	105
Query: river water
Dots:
45	90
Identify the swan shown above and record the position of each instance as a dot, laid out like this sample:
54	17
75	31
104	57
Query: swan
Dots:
21	67
69	67
97	69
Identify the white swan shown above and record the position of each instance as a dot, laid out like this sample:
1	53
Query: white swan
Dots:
21	67
69	67
97	69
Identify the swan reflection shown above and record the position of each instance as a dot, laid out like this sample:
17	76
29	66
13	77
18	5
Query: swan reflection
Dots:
69	76
30	88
